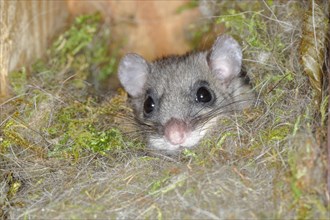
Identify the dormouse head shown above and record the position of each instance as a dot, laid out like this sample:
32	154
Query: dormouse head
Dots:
177	99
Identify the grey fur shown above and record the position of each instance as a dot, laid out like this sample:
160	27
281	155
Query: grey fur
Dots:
172	82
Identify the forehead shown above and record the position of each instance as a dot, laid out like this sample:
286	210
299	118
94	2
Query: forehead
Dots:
175	74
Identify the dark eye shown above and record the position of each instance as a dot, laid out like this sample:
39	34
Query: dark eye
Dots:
149	105
203	95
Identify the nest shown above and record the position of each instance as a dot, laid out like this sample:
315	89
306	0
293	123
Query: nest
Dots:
67	149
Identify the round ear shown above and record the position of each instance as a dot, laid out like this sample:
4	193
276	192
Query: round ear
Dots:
225	58
132	73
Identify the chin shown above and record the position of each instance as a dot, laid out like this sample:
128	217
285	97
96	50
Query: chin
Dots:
160	143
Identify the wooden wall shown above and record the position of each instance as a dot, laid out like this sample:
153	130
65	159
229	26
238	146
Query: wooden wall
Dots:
26	29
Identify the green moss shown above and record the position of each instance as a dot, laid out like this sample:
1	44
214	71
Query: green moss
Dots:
189	153
77	130
167	183
80	54
5	141
249	24
159	184
187	6
324	110
18	80
103	141
80	34
13	135
278	133
224	137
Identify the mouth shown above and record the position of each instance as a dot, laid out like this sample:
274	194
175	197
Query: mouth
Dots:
163	143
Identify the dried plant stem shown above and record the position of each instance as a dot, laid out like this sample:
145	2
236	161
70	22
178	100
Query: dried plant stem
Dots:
328	143
313	46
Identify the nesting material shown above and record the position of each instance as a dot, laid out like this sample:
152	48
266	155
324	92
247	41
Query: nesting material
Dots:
70	151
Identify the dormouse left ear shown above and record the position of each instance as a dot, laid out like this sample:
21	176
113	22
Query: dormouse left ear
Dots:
225	58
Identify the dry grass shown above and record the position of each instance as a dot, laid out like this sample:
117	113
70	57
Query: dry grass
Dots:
63	154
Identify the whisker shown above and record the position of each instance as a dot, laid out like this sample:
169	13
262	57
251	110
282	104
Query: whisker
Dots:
203	119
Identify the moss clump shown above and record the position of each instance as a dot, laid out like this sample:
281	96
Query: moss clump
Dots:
79	127
18	81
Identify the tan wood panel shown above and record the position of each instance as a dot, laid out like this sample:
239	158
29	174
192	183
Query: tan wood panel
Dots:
26	28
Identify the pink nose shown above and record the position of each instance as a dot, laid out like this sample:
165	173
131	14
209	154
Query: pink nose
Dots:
176	131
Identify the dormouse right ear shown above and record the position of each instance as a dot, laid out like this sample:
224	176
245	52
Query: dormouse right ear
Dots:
225	58
132	73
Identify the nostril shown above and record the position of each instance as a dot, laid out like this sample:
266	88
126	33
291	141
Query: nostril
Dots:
176	131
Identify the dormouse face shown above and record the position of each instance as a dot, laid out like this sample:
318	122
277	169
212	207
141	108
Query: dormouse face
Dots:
178	99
